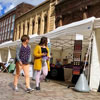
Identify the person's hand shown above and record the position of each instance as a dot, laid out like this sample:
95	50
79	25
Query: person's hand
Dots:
20	63
49	57
44	54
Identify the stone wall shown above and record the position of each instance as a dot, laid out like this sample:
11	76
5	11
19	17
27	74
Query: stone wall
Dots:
37	14
23	8
75	10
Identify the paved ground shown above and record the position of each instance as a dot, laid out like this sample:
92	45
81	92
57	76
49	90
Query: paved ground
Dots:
52	90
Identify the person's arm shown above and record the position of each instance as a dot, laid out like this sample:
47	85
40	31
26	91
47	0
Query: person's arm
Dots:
30	58
36	52
17	53
48	54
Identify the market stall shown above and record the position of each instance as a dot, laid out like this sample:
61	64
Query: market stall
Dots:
62	42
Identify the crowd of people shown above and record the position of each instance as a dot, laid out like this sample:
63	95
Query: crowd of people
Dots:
41	62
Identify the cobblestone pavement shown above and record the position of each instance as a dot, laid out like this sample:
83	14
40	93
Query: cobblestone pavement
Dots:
52	90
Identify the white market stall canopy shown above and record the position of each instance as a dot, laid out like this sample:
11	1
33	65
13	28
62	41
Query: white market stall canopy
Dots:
63	36
14	43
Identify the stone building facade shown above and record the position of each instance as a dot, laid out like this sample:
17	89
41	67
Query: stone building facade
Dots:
7	21
39	20
68	11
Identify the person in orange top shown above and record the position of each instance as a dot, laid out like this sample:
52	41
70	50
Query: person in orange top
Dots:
41	61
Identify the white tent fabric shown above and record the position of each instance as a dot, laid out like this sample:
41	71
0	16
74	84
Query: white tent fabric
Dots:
97	23
63	36
9	44
14	43
83	27
5	43
95	60
9	55
0	57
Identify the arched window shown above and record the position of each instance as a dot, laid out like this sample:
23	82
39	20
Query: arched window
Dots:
28	28
39	22
23	28
33	24
45	24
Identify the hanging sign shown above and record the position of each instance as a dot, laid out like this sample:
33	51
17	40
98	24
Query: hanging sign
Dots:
79	37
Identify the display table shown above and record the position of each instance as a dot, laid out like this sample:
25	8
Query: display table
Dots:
68	75
56	73
62	73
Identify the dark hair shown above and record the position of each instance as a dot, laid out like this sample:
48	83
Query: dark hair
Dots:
24	38
43	41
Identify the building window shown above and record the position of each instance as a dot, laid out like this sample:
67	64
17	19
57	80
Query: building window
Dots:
4	23
10	20
0	32
23	28
5	35
45	24
39	22
1	24
3	30
9	27
7	21
13	18
33	24
0	38
6	29
11	34
12	30
8	35
28	28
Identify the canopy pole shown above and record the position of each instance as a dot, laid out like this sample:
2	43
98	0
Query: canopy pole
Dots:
0	57
88	52
9	55
88	58
61	53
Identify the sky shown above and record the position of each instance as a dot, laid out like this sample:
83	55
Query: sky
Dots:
6	5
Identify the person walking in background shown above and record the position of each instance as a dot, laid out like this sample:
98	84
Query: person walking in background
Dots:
23	58
41	61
